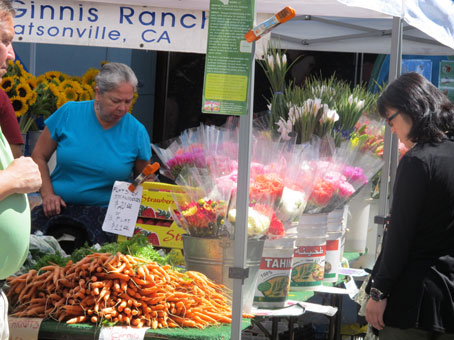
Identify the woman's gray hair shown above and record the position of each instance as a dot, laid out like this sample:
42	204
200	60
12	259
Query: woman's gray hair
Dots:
112	75
7	7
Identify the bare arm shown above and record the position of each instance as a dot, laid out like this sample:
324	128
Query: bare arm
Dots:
139	165
44	148
16	150
20	177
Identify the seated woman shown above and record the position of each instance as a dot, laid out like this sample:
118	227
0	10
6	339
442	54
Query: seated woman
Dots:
97	143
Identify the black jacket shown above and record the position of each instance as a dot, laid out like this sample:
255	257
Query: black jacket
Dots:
416	264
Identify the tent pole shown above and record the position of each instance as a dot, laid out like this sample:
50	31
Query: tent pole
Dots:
390	152
32	68
242	204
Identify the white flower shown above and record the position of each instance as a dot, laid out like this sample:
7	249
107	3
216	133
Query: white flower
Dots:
360	104
258	224
292	203
285	127
329	115
312	105
271	62
278	61
284	59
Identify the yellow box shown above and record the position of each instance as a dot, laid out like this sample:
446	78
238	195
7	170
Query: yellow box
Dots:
154	218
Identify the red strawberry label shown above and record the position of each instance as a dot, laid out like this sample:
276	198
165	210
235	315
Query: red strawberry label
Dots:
148	212
153	239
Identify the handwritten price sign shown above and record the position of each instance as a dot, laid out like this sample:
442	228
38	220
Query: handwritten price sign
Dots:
123	209
24	328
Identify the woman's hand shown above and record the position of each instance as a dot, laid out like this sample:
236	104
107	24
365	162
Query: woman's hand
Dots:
374	313
52	205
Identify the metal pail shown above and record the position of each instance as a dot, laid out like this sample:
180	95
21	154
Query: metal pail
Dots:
214	257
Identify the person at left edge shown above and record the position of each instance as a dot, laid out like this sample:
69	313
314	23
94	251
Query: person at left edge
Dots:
8	119
97	142
17	178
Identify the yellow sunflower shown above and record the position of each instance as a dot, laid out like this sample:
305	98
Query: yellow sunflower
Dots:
89	76
84	96
61	99
23	90
20	106
32	82
54	89
7	83
70	94
53	75
70	84
32	99
89	90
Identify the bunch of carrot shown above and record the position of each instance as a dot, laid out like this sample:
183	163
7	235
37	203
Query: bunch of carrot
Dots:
122	289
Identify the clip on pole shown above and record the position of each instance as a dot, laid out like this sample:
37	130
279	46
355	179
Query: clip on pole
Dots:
238	273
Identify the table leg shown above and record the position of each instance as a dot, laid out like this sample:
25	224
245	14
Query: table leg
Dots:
335	321
275	328
291	328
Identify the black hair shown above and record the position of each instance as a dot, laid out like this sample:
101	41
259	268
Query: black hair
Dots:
430	111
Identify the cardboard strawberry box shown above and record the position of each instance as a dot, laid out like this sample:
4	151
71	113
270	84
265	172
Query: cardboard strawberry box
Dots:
154	218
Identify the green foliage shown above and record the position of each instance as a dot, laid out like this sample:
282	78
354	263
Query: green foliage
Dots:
47	259
137	245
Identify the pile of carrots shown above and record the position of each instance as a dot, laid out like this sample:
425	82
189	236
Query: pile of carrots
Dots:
122	289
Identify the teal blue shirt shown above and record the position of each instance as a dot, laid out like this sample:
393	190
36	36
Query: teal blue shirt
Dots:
89	158
14	222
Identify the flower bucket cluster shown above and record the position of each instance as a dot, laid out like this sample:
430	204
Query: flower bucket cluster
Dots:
318	108
286	180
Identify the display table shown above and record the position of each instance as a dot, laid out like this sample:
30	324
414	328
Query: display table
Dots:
53	330
303	296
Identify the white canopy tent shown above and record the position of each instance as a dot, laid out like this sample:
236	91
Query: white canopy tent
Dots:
382	20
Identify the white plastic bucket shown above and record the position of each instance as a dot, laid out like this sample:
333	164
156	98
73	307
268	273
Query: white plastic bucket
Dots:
358	222
332	257
312	225
336	220
273	279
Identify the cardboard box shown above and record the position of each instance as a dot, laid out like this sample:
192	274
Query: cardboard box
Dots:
154	218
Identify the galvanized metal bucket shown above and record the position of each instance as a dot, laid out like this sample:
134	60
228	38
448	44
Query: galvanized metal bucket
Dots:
213	257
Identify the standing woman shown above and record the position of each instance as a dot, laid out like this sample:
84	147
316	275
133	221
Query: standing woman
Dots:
97	143
412	283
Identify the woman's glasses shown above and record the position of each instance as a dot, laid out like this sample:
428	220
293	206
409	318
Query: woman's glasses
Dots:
390	118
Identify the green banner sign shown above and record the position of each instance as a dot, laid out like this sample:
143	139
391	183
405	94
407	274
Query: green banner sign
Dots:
228	58
446	80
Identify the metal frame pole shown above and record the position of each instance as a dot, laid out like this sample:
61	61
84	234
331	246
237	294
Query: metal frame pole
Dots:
242	204
390	152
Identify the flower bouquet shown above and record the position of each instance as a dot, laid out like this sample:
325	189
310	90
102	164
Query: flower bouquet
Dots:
181	153
202	210
340	177
297	184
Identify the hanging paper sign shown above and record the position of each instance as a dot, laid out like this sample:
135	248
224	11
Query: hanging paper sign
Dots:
228	58
446	79
122	333
24	328
123	209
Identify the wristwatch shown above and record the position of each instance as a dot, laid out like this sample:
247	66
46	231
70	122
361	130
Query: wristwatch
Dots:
377	295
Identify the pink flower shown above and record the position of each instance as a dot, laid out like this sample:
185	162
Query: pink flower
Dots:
346	190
